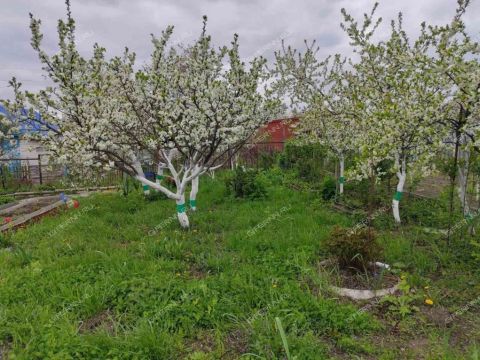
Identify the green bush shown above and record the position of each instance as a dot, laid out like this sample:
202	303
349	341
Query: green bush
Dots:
295	153
432	212
5	199
329	188
360	194
353	248
272	177
306	160
245	183
266	160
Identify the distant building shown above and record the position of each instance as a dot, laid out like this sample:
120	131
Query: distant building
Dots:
19	147
276	132
22	157
268	140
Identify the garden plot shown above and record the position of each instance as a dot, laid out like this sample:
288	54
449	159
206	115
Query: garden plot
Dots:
25	210
27	206
102	284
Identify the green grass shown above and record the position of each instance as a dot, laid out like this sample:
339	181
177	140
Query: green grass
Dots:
101	286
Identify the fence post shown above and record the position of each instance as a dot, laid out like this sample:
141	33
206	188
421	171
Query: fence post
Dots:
40	168
3	176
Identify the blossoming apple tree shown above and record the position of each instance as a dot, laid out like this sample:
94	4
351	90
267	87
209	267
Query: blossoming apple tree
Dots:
399	100
9	121
457	63
318	87
184	111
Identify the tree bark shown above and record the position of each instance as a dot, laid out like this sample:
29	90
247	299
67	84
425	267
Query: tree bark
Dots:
182	213
402	176
453	176
159	176
463	166
193	194
341	179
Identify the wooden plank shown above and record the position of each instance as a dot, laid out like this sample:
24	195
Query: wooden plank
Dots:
7	206
26	218
53	192
24	202
21	159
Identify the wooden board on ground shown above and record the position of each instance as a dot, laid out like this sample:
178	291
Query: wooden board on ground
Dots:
58	191
28	217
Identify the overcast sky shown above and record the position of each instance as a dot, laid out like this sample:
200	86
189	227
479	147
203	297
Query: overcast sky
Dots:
261	25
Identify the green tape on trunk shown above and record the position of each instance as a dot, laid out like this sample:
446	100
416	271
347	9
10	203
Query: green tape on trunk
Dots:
193	203
159	177
181	208
398	196
145	187
341	180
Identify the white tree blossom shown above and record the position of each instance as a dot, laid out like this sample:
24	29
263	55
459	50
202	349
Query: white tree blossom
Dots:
184	111
399	100
383	103
319	88
456	63
10	121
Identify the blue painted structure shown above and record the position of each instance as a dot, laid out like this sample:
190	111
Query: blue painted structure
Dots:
11	147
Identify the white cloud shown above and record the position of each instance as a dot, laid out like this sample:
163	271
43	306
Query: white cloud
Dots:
260	24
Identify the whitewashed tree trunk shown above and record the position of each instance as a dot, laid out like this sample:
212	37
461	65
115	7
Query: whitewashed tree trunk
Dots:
193	194
159	177
179	197
188	174
182	213
341	179
402	176
146	187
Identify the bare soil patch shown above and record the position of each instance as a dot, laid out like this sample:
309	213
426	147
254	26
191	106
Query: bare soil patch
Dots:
370	278
103	320
236	344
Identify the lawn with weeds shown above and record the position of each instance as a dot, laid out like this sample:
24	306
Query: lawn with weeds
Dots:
121	280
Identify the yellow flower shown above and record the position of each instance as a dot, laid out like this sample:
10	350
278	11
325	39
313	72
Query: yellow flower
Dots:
429	301
274	285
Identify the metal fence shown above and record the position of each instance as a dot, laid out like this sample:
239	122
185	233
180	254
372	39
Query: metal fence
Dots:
17	174
259	154
263	154
29	171
25	174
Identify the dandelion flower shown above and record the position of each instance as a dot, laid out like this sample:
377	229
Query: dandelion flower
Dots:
429	301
